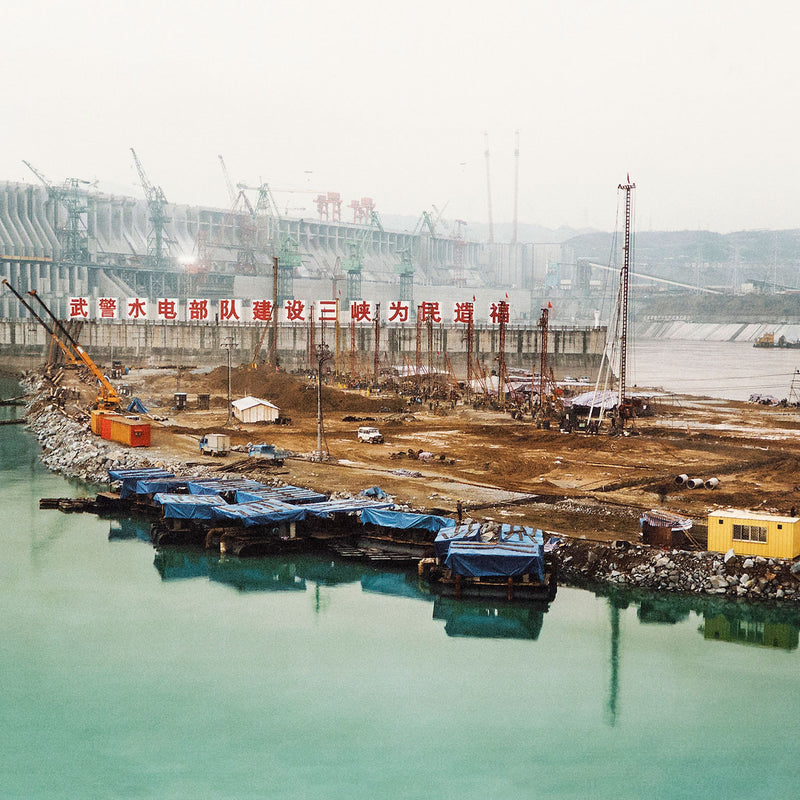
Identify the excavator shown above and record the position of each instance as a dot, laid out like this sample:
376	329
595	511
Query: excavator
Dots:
107	398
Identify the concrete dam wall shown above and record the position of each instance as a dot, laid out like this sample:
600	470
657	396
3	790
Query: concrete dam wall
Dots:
570	350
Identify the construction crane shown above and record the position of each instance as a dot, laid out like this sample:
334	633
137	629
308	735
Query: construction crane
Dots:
70	358
354	262
108	399
73	236
157	210
405	269
228	182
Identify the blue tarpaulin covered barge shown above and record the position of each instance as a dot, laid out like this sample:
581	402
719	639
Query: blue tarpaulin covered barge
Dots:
489	559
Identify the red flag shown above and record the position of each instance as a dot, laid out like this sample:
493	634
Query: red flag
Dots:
549	304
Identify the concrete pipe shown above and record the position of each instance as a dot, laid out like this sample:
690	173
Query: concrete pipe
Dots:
712	483
681	479
695	483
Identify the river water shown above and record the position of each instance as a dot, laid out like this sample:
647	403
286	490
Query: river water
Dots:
732	370
134	674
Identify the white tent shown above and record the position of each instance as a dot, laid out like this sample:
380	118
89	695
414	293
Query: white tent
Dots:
253	409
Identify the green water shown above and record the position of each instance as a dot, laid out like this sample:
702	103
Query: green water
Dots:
127	674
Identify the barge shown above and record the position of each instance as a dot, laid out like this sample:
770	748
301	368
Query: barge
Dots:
490	560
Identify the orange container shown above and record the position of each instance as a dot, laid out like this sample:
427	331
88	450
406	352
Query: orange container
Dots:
132	432
97	416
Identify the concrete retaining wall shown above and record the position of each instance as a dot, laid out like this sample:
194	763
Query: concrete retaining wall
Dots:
570	350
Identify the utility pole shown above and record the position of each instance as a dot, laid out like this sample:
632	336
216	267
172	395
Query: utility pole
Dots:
228	345
543	327
323	356
377	364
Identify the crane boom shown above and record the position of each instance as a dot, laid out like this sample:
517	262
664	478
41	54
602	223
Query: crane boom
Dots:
37	174
67	352
228	182
108	397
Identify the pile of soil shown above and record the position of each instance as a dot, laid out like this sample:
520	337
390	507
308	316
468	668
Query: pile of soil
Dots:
294	393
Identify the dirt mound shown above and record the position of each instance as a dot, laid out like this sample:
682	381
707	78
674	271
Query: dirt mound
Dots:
293	393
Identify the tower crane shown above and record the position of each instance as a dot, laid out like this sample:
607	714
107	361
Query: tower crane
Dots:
73	236
354	262
157	209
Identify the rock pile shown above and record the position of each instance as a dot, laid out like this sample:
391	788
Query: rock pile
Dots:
583	562
68	447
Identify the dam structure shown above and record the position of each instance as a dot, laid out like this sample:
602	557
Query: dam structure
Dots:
71	241
83	243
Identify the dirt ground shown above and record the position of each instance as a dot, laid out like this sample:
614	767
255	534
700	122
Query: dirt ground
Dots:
500	468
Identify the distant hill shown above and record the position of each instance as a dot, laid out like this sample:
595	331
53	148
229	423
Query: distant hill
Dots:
768	258
479	231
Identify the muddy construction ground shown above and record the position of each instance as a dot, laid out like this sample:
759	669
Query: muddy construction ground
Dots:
503	469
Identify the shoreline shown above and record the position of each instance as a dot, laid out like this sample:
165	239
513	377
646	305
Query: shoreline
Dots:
69	448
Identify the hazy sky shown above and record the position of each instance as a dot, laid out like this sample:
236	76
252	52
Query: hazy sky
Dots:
697	100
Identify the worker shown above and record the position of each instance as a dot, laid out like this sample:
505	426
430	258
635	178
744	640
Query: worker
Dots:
460	510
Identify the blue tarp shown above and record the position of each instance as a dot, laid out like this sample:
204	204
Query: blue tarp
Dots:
517	534
166	485
137	406
293	495
265	512
402	521
490	559
121	474
187	506
468	532
217	485
374	491
129	481
332	507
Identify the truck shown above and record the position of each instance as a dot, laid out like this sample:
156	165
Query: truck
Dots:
268	452
370	435
215	444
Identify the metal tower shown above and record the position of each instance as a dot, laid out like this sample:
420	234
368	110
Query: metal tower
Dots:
289	259
73	236
405	269
157	243
624	284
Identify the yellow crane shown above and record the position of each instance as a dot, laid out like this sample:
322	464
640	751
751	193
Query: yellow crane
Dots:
108	399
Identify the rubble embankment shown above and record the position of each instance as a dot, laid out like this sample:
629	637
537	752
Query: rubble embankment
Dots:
68	448
583	562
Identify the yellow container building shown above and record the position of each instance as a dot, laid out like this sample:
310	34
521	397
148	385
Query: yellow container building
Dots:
751	533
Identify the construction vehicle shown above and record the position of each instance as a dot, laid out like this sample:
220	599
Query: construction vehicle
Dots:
268	452
108	399
215	444
70	359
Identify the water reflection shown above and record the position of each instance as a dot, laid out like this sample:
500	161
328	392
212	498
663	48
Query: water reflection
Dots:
725	620
722	620
129	528
478	618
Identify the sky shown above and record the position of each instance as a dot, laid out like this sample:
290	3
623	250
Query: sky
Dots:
697	101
